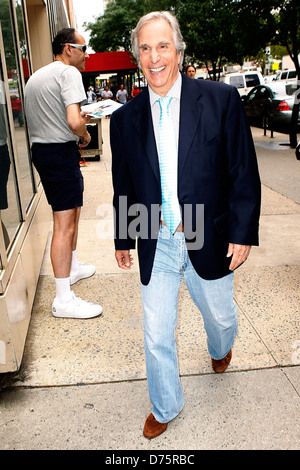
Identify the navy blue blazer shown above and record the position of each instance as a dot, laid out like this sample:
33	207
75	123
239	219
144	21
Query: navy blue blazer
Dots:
217	170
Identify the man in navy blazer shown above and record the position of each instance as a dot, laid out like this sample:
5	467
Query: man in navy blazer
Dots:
218	192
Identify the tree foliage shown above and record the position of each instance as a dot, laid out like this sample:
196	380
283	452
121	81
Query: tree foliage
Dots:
222	31
288	29
208	30
111	31
215	31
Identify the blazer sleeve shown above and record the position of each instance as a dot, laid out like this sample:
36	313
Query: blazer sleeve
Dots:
124	194
245	187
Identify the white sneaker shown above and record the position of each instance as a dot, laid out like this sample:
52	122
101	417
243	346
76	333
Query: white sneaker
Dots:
84	271
75	308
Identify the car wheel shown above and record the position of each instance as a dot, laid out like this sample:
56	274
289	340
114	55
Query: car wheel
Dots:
298	152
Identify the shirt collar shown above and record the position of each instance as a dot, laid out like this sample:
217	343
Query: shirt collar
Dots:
174	91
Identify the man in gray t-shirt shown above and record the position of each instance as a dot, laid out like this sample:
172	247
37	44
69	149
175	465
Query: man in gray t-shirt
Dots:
122	95
49	92
106	94
53	96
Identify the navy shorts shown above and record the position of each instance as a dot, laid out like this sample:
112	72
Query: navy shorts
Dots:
59	170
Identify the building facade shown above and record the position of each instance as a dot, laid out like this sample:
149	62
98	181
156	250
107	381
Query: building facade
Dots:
27	28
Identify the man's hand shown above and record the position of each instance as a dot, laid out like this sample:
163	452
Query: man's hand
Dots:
239	254
77	123
124	259
84	116
85	140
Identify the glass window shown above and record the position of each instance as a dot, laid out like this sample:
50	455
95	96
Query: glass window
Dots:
264	93
252	80
22	39
238	82
253	94
16	98
292	74
9	203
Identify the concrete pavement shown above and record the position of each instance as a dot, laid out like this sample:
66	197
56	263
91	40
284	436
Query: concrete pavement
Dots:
82	384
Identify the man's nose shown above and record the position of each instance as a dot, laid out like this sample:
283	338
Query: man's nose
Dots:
155	56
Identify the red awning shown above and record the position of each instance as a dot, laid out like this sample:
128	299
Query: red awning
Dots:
109	62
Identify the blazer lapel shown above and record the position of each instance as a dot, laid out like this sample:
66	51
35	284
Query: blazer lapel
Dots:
144	127
190	113
191	110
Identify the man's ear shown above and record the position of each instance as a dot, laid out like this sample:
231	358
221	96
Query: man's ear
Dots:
67	50
178	57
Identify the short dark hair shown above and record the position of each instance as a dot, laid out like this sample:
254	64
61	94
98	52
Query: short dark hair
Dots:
63	36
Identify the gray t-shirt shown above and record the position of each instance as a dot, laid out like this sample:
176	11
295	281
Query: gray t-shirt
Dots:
48	92
122	95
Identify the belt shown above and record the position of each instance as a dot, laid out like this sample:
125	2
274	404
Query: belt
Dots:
179	228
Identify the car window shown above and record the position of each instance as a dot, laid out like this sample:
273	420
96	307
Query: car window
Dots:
292	74
284	75
252	80
253	95
238	82
264	93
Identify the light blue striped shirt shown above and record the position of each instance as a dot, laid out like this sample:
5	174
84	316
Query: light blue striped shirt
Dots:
175	93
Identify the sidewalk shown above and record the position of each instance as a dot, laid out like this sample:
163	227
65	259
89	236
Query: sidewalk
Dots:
82	384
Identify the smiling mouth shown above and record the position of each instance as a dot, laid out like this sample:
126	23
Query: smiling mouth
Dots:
159	69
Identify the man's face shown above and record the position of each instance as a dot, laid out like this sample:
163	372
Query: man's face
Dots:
79	57
158	56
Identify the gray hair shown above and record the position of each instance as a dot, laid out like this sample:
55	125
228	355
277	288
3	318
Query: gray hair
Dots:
158	15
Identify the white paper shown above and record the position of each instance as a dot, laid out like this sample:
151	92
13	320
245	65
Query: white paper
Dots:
101	108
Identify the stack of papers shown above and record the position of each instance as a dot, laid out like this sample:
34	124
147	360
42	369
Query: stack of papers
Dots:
101	108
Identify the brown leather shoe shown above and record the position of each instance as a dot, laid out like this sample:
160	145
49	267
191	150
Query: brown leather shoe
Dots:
153	428
219	366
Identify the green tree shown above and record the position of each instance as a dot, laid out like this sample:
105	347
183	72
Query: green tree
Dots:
111	31
221	31
288	29
207	28
5	18
215	31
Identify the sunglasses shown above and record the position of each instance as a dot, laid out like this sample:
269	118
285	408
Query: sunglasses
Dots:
75	46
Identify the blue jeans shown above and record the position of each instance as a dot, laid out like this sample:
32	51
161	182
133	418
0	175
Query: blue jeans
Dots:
215	301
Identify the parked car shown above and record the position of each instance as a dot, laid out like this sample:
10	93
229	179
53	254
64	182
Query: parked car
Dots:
273	101
286	75
243	81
